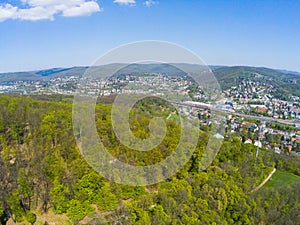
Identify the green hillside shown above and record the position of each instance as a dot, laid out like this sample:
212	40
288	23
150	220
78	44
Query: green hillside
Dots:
285	83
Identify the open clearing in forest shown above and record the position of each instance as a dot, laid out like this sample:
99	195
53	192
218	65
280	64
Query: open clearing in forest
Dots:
281	179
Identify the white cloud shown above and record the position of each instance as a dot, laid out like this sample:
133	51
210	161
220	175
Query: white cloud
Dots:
7	11
150	3
125	2
87	8
35	13
47	9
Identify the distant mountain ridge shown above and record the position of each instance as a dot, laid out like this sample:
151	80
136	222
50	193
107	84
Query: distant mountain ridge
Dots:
289	72
51	71
287	81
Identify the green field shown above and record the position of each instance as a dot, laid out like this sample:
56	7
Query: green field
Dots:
281	179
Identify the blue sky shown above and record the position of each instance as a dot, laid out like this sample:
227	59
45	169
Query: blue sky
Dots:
39	34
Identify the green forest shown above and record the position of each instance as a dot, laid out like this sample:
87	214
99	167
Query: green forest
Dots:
45	180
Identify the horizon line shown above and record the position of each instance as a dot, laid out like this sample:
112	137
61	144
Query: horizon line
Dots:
86	66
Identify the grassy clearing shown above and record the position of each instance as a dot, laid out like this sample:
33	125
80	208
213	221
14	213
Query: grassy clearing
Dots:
281	179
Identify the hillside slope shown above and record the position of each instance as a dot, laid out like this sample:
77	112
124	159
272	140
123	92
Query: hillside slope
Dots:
285	83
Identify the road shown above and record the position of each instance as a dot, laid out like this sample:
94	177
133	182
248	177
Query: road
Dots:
261	118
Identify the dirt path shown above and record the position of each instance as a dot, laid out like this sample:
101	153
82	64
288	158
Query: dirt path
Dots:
264	182
169	116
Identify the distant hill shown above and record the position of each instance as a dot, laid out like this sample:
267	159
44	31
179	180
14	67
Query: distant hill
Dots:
289	72
286	82
51	71
41	74
19	76
74	71
96	72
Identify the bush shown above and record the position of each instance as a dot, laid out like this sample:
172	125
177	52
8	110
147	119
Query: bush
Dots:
78	210
30	217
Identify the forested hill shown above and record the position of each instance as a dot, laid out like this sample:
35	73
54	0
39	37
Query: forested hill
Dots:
285	82
44	179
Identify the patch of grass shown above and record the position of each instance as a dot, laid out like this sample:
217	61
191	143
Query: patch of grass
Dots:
175	117
52	218
281	179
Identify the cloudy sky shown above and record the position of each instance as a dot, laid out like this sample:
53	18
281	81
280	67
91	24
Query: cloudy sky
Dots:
38	34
